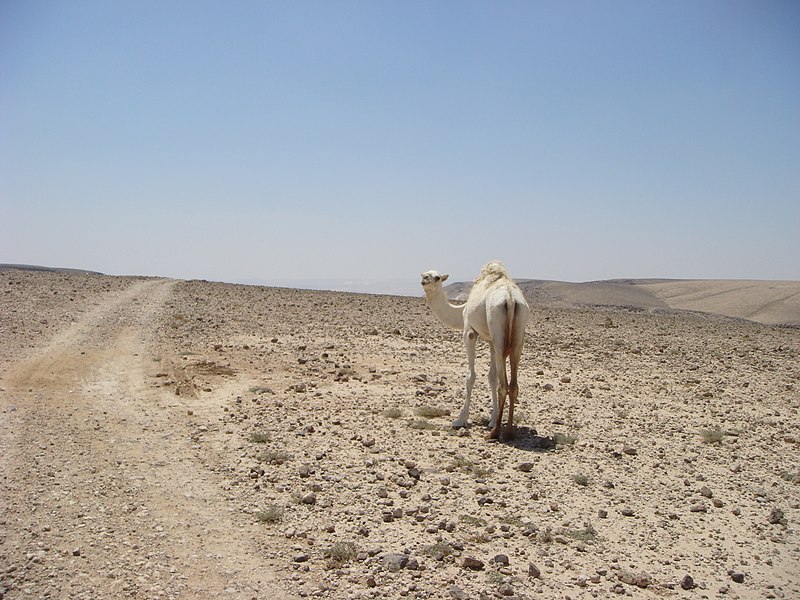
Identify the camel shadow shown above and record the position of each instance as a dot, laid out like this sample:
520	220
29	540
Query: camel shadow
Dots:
526	438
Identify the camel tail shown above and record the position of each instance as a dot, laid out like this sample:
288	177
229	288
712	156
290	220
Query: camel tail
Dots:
511	306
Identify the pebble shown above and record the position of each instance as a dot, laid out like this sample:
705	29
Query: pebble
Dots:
776	516
471	563
737	576
627	512
393	561
687	583
641	579
534	571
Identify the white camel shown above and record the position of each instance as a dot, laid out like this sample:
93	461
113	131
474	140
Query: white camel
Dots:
496	311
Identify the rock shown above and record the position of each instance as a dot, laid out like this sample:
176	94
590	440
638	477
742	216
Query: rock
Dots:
393	561
534	571
776	517
737	576
457	593
506	589
76	552
627	512
699	507
471	563
301	557
706	491
641	579
602	513
630	451
687	583
525	467
310	498
500	559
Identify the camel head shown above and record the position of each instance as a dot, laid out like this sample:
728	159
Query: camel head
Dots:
431	280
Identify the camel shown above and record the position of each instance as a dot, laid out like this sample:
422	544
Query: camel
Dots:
496	312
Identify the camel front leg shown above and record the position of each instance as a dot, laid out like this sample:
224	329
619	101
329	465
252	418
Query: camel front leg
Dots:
470	341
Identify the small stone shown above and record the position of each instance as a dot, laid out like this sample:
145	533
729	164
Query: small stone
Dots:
700	507
506	589
602	513
687	583
566	379
471	563
393	561
301	558
705	491
534	571
76	552
457	593
737	576
371	582
627	512
310	498
525	467
736	467
630	451
368	443
776	517
500	559
641	579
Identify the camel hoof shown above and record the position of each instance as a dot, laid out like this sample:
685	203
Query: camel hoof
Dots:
458	424
494	434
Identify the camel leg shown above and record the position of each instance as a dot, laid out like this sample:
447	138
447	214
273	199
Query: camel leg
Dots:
502	391
493	389
470	341
513	391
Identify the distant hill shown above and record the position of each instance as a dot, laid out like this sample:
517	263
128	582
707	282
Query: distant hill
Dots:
769	302
7	267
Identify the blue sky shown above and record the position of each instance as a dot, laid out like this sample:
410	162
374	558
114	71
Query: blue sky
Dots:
375	140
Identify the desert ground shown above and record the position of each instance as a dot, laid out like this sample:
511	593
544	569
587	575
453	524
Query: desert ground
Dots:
180	439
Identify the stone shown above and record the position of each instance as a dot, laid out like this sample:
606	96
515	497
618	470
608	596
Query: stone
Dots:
393	561
737	576
457	593
627	512
534	571
687	583
500	559
301	558
471	563
776	517
641	579
506	589
525	467
310	498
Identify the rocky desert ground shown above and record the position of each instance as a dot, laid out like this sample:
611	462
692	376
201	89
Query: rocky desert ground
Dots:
180	439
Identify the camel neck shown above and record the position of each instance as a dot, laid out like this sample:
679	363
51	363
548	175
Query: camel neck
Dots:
449	314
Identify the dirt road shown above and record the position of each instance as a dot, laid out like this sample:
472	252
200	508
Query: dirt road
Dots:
106	495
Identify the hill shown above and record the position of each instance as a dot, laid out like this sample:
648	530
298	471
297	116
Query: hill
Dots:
768	302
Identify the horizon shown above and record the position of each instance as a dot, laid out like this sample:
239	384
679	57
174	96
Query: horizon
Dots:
313	141
389	287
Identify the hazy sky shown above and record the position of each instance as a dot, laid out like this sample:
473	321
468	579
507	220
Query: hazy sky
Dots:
375	140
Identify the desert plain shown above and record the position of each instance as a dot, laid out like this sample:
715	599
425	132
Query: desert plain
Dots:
177	439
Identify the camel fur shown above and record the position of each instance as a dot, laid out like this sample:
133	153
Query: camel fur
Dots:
496	312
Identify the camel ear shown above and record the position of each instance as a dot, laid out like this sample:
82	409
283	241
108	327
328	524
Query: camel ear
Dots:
444	277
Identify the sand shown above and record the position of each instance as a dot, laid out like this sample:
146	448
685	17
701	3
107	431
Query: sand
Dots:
178	439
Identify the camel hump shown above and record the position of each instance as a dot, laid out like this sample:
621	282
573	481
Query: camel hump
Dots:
492	272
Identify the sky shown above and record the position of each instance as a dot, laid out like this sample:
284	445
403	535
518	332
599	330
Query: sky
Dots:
303	141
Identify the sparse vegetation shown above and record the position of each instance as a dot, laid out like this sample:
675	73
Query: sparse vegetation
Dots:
274	457
259	437
581	479
713	435
471	520
430	412
563	439
438	551
393	412
587	534
269	514
261	389
421	424
340	554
